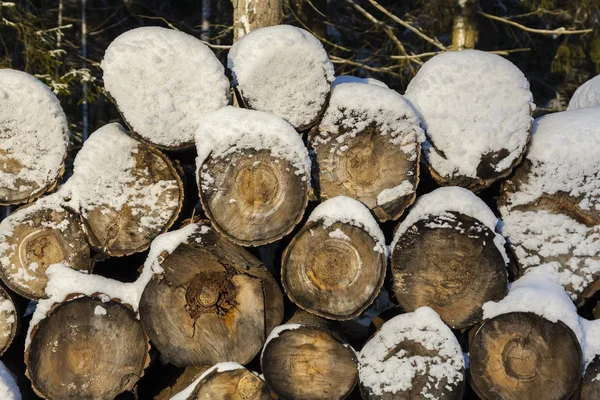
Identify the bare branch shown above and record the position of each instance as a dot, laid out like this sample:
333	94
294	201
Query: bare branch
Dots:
558	31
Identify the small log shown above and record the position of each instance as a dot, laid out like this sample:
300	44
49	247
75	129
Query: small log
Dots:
36	236
183	381
413	356
127	192
215	302
335	269
524	356
590	386
87	348
9	320
367	146
307	362
33	138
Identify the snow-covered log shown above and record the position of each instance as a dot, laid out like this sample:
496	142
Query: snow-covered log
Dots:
253	175
335	265
86	347
36	236
586	95
551	206
476	110
413	356
367	146
127	192
9	321
213	301
590	386
33	138
447	255
163	81
282	70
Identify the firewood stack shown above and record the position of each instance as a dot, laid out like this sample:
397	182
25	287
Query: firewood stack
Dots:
318	200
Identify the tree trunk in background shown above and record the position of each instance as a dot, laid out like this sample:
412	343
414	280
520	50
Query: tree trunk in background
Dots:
464	32
312	14
249	15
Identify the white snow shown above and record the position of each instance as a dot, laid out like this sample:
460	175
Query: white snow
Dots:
282	70
164	81
382	372
230	130
99	310
451	199
587	95
353	79
391	194
33	133
349	211
339	234
471	103
9	390
220	367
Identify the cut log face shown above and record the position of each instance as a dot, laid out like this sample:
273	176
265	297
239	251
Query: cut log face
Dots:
215	302
333	271
36	236
33	138
306	362
367	147
9	320
413	356
450	263
87	348
524	356
188	377
238	383
590	387
127	192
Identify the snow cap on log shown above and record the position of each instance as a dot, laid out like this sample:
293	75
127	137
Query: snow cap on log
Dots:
550	207
9	321
415	353
586	95
163	81
354	79
282	70
476	110
33	138
9	390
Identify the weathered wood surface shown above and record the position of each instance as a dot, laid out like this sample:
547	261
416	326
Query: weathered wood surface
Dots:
233	384
9	320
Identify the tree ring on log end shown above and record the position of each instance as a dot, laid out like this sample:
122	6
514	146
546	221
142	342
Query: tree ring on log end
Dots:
210	293
258	185
362	163
520	360
335	265
230	383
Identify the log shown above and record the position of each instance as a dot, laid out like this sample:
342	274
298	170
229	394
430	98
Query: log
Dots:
126	192
9	320
586	95
550	206
36	236
253	175
413	356
282	70
367	146
182	382
162	82
446	255
476	108
86	348
33	138
521	355
249	15
590	386
335	265
214	302
306	361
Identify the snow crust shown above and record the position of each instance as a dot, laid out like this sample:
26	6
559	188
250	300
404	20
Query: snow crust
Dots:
587	95
471	103
163	82
381	374
33	133
220	367
282	70
451	199
353	79
349	211
9	390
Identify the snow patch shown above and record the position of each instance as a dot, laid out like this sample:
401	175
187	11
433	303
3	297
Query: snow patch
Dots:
586	95
9	390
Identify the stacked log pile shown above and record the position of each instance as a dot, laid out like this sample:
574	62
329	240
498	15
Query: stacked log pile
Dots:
277	283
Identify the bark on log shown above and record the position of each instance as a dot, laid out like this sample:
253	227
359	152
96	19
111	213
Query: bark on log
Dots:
590	386
9	320
214	302
307	362
187	377
87	348
36	236
524	356
451	264
333	271
249	15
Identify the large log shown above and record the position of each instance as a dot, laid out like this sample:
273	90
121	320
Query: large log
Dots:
476	109
253	175
367	146
182	382
447	255
36	236
33	138
335	265
9	320
524	356
413	356
214	302
163	81
127	192
87	347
